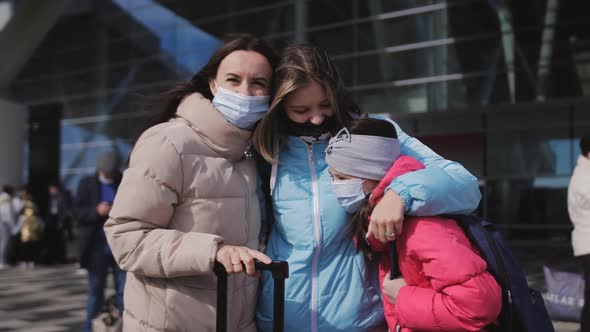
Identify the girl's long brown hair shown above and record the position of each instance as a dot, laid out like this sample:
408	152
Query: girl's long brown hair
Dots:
299	65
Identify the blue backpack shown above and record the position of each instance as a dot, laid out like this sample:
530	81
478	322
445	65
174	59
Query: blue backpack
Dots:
523	308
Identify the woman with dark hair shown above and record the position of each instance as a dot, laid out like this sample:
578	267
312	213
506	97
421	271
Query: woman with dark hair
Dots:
331	287
189	198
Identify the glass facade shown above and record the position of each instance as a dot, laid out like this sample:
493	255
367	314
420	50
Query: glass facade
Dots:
501	87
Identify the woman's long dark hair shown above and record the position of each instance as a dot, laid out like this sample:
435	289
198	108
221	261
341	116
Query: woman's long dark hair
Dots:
168	101
372	127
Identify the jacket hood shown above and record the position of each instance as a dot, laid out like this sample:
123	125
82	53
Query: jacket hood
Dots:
403	165
221	136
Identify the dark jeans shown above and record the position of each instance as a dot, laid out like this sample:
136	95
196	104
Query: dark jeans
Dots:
54	243
30	251
97	280
585	321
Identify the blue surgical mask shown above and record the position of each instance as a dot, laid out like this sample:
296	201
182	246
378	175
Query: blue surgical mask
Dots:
240	110
349	193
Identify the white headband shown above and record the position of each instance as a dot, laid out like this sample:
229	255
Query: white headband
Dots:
363	156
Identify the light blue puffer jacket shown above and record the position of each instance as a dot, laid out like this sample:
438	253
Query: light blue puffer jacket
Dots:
332	287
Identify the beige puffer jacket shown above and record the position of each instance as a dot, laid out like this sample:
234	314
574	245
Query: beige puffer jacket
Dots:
189	187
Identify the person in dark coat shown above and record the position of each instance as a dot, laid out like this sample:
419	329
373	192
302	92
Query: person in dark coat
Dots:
57	223
92	205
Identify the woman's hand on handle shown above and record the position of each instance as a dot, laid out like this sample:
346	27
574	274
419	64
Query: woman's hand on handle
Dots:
387	217
235	258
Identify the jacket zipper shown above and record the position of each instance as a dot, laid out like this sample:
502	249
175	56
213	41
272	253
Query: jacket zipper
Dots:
247	155
318	239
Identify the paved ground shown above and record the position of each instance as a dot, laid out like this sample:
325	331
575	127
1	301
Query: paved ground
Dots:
45	299
49	299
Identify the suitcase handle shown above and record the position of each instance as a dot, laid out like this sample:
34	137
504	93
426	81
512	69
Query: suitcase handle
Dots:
279	271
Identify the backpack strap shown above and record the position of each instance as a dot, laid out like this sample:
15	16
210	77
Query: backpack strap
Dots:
394	270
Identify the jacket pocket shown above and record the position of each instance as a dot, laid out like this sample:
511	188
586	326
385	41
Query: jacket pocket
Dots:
249	293
206	282
156	308
370	295
368	272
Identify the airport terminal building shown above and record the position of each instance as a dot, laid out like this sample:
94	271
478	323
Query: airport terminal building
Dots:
501	86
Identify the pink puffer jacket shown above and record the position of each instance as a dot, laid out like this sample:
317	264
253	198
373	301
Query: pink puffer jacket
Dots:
449	288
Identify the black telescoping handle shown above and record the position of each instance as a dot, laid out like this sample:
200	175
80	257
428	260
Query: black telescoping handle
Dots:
279	269
393	267
280	272
221	322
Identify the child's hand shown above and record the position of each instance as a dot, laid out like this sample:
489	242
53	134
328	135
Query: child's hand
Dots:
387	218
391	287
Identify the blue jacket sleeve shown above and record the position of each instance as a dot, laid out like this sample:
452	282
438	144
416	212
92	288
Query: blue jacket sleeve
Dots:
443	186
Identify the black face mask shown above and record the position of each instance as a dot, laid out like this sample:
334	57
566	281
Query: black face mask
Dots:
310	129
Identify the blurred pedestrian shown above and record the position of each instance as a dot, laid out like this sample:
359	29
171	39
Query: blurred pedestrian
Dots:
7	220
57	223
93	203
29	228
578	203
189	198
18	200
13	250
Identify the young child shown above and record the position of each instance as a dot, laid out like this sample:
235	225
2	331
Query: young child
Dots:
29	228
444	283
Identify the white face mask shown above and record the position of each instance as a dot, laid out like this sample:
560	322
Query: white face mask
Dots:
240	110
103	179
350	193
